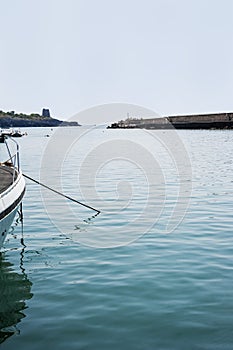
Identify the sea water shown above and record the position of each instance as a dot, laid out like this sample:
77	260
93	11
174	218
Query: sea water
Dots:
154	270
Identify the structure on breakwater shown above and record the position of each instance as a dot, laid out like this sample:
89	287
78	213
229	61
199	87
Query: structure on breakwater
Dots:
196	121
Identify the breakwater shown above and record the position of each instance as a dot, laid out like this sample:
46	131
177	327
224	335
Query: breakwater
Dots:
195	121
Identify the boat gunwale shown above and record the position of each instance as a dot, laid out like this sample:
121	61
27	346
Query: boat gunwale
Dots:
12	190
15	182
9	208
12	206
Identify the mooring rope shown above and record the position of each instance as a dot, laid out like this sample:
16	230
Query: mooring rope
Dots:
62	194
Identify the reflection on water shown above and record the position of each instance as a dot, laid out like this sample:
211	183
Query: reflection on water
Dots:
15	289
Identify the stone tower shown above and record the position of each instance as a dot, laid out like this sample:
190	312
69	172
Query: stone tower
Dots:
45	113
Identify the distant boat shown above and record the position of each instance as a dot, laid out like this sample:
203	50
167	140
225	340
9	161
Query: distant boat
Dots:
17	133
12	132
12	188
6	132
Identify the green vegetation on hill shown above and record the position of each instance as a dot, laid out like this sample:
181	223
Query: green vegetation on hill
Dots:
14	115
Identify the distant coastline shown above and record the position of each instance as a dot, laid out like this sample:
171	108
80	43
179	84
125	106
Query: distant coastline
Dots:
17	120
198	121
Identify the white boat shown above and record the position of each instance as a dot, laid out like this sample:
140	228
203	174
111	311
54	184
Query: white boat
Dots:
12	187
6	132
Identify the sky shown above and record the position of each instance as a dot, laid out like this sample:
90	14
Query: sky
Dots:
170	56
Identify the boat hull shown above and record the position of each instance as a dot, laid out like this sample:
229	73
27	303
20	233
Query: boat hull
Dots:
9	203
5	225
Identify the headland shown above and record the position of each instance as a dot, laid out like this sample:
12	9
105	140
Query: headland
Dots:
17	120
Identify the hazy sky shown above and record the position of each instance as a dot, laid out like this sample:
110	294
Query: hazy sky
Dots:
171	56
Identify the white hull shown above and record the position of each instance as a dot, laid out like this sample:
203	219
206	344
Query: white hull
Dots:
5	225
9	203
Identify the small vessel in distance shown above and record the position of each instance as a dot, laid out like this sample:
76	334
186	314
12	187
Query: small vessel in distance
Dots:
13	132
12	186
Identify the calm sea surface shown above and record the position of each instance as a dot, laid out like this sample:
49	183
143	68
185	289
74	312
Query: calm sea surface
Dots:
153	271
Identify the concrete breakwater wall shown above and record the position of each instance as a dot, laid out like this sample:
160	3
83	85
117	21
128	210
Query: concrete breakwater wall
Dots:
199	121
